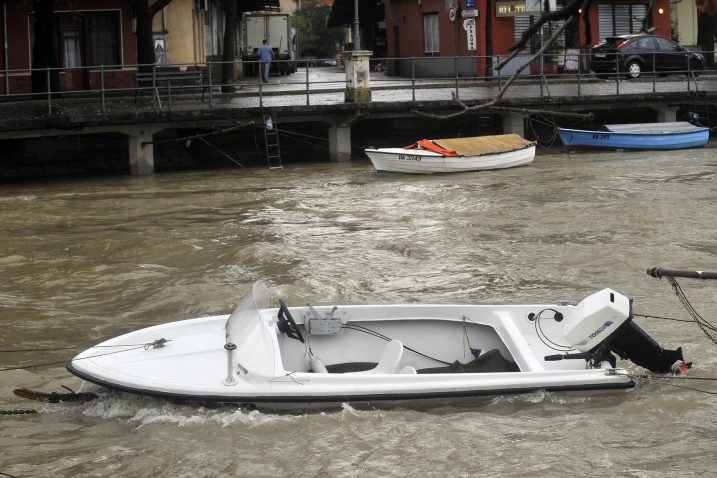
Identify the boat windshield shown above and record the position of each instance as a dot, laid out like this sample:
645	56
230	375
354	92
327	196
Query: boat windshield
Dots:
244	328
247	311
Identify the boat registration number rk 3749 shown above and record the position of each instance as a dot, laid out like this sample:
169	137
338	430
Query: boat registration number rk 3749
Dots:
408	157
601	135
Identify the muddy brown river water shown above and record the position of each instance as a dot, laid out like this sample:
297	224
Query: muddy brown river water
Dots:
84	260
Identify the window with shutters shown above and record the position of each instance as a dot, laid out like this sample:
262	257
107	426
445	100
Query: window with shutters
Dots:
620	19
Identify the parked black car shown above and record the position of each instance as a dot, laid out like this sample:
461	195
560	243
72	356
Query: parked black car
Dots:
635	55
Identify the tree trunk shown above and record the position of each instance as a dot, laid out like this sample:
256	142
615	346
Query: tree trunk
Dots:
230	46
45	51
145	40
705	37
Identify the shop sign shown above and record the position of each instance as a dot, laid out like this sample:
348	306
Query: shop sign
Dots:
470	26
510	9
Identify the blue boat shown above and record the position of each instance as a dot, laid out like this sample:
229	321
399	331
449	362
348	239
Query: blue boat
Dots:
675	135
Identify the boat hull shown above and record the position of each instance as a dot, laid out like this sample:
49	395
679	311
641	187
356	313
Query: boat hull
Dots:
336	400
401	160
589	139
192	366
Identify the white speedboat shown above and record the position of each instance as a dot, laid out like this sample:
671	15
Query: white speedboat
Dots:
308	356
455	155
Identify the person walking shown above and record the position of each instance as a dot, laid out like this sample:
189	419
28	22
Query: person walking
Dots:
266	54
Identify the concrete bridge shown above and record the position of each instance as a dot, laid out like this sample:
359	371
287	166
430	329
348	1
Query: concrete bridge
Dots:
320	94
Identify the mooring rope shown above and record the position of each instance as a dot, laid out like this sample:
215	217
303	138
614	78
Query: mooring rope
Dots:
701	322
667	381
52	349
647	316
146	346
312	140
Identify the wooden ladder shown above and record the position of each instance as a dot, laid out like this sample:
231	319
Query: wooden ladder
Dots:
271	140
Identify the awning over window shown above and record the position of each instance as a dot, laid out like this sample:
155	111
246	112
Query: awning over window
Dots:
342	13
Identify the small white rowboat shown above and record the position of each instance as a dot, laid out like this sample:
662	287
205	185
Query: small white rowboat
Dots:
455	155
302	357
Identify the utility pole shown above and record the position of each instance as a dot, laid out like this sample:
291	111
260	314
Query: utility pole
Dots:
357	35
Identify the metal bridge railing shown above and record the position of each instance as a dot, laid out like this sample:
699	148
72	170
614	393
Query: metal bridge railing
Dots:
107	88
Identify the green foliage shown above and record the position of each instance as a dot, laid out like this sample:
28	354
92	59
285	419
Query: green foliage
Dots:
315	39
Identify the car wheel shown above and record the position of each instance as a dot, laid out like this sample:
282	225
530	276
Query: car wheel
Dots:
634	69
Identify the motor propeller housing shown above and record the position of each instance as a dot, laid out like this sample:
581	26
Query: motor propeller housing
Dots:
602	322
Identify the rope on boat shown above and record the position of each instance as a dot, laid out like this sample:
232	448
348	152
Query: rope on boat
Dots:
52	349
366	330
661	318
146	346
666	380
155	344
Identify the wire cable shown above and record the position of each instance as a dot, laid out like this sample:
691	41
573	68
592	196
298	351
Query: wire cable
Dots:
366	330
544	337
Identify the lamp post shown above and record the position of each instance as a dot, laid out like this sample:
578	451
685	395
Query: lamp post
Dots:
357	35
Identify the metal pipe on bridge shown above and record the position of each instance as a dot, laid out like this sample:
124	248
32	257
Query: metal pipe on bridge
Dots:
658	272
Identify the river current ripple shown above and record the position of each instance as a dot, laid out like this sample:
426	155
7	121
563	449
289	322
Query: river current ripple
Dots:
85	260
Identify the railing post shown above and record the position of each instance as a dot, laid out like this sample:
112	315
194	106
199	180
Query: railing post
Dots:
617	74
49	93
654	74
261	98
209	75
413	79
455	65
689	73
500	81
102	86
155	90
580	68
307	82
542	65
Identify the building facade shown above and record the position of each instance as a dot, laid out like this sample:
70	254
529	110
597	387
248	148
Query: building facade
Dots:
481	31
95	35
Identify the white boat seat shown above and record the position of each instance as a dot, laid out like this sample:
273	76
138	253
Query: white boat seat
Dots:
390	359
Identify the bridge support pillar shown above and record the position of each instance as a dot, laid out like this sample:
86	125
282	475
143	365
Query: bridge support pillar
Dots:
513	123
666	114
340	142
141	150
358	81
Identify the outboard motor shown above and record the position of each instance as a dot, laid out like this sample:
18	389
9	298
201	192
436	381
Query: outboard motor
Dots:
693	119
602	323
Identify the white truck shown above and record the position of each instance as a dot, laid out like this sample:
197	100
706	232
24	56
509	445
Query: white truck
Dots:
277	30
